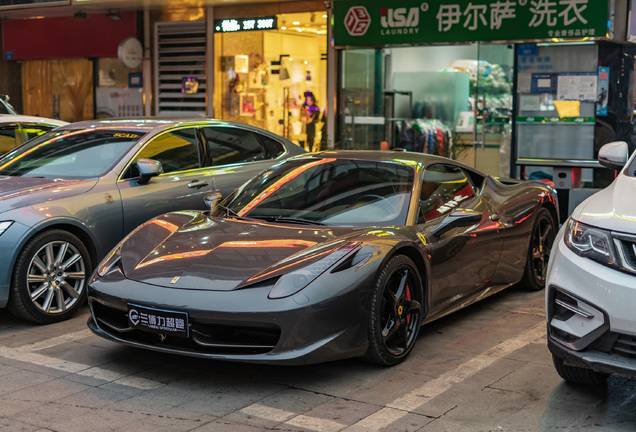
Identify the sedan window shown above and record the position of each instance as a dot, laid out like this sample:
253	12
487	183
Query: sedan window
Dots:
228	145
177	151
444	187
8	139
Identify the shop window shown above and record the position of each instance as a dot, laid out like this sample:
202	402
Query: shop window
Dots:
228	145
177	151
444	188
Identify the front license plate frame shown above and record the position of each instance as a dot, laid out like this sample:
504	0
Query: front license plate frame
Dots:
160	321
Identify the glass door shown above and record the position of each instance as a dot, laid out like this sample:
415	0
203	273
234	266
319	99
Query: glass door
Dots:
491	97
452	101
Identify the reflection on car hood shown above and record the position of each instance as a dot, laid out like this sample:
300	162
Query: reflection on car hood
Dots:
21	187
613	208
221	254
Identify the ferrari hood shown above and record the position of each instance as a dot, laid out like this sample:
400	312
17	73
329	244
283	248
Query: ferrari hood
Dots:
613	208
223	254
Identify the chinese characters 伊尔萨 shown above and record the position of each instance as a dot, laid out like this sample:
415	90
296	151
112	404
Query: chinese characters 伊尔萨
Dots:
548	12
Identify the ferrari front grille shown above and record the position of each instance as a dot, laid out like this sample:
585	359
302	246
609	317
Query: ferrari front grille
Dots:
205	338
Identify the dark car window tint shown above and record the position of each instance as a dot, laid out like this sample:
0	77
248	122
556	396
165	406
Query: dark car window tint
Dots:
329	191
228	145
176	150
8	139
444	187
69	154
274	148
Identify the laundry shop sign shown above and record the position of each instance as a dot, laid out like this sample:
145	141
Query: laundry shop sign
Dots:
381	22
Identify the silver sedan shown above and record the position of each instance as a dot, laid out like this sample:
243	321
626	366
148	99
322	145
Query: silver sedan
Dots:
68	196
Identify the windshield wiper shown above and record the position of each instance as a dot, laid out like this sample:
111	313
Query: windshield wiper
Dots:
231	213
295	220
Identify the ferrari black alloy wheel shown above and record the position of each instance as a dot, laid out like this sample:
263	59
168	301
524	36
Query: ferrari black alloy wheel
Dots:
395	315
578	375
49	278
543	234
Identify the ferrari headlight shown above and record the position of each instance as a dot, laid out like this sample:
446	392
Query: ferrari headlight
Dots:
112	260
590	242
295	281
4	226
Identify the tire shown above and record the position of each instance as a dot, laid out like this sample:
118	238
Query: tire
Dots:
578	375
395	313
543	234
49	278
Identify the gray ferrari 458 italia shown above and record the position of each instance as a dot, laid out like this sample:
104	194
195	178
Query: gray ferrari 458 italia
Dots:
68	196
324	256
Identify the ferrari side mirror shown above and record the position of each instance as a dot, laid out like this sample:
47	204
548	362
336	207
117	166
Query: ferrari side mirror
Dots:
614	155
457	218
148	168
212	200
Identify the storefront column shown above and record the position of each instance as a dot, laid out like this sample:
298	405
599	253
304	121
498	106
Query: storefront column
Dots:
209	61
332	68
147	74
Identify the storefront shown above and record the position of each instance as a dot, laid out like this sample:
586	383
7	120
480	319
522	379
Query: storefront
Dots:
263	65
498	85
69	66
276	78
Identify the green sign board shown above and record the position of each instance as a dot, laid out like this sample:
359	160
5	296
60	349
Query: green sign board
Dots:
382	22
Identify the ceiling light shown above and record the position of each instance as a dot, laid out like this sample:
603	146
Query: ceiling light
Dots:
283	28
296	23
324	16
299	29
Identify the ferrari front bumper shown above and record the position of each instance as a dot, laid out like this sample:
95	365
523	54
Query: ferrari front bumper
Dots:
242	325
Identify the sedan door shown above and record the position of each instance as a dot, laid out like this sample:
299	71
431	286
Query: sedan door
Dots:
183	184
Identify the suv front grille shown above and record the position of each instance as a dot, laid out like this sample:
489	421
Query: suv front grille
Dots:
626	245
625	346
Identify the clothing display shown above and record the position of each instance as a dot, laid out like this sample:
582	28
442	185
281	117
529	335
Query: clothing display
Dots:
424	136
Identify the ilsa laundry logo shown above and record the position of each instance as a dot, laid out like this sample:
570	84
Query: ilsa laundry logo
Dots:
399	21
394	21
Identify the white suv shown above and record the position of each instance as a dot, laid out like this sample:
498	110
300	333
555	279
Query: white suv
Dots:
591	283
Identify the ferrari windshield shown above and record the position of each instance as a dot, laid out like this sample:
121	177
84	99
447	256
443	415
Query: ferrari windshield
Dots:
69	154
327	191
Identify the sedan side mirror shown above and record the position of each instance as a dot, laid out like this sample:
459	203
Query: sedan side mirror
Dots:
148	168
457	218
614	155
212	200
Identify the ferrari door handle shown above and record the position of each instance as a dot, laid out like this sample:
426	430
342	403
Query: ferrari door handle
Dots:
197	184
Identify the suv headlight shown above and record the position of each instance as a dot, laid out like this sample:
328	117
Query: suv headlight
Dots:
4	226
590	242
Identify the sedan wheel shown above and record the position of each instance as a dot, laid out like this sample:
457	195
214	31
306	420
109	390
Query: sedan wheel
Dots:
395	315
543	234
49	281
